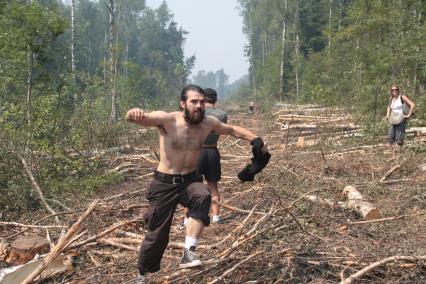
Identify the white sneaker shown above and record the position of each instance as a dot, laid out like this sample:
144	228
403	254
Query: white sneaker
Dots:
141	279
190	259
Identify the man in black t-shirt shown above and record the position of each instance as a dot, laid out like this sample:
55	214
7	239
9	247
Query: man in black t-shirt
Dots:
209	159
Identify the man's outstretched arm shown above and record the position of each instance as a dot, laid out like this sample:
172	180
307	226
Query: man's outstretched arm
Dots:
236	131
139	116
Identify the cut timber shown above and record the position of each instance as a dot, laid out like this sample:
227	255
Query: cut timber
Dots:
342	126
418	131
25	248
301	142
325	201
355	200
17	274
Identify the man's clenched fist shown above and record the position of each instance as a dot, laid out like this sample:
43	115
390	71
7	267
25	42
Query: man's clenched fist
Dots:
135	114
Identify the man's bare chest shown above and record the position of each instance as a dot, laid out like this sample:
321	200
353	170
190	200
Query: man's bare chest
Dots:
186	138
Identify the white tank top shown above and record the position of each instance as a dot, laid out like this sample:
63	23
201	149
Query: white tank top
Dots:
396	105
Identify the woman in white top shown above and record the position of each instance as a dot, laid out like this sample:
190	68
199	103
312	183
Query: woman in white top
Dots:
396	116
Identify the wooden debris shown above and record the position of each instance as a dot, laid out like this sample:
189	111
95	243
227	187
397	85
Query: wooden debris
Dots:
355	201
103	233
324	201
418	131
300	142
370	267
4	250
60	245
232	208
25	248
377	220
30	226
116	244
36	186
232	269
18	274
388	173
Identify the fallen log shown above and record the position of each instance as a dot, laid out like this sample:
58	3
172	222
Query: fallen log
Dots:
355	201
418	131
346	126
324	201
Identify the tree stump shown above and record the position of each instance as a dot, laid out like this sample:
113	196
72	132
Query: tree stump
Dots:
25	248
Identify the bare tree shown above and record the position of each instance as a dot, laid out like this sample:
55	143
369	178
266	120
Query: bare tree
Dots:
297	46
283	44
112	63
252	55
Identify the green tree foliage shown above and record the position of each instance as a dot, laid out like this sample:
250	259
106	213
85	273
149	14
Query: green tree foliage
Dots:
39	117
337	51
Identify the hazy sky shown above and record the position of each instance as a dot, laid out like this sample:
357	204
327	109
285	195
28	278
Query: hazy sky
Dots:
214	36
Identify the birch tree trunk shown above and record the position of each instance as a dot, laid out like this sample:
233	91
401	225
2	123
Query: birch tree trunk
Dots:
329	25
251	57
263	48
296	47
113	116
30	63
73	47
283	43
417	52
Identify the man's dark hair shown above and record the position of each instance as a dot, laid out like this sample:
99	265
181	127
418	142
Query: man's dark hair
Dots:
184	96
211	95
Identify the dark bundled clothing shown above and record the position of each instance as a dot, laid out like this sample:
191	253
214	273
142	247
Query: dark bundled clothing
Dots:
258	162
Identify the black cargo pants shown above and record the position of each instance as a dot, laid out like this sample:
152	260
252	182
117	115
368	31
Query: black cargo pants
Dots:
165	193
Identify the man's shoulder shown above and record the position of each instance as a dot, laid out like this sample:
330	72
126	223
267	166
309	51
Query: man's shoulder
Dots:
174	114
163	117
217	112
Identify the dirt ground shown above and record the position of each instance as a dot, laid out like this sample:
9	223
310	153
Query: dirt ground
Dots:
272	232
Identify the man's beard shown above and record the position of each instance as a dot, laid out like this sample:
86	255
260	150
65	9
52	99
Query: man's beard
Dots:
191	118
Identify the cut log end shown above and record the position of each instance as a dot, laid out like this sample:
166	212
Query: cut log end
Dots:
356	201
372	214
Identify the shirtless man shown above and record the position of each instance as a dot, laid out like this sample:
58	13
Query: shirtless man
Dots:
182	134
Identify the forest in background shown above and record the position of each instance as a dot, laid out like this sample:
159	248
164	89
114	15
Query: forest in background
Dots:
337	52
69	72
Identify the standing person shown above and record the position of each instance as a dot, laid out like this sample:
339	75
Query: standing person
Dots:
251	107
209	161
182	134
397	114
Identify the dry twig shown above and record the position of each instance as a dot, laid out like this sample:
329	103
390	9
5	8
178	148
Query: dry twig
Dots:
370	267
61	244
